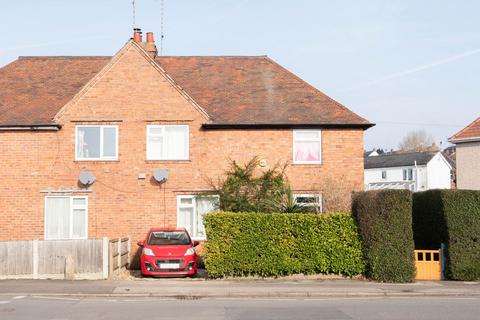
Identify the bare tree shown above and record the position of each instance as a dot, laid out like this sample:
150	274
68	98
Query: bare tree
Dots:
417	140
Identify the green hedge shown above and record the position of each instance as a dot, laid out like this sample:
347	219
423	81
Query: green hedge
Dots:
385	221
452	217
263	244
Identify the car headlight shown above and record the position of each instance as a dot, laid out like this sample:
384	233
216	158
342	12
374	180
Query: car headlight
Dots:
147	252
189	252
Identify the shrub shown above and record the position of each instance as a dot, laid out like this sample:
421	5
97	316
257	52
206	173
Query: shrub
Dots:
245	188
276	244
452	217
385	221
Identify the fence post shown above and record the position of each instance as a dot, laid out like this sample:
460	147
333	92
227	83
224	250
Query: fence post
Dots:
129	247
105	256
443	256
35	259
119	257
110	259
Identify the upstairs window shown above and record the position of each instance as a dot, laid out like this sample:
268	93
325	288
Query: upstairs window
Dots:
96	142
384	174
169	142
307	146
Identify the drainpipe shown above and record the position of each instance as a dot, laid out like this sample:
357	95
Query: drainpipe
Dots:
416	176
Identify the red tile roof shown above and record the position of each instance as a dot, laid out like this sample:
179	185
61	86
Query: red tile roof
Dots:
34	89
254	90
232	90
469	133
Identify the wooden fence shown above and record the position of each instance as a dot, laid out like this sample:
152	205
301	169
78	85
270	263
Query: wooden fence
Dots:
61	259
119	256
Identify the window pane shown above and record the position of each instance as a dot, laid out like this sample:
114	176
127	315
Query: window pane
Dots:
186	201
176	142
79	228
307	200
204	205
307	151
155	131
309	135
154	147
57	218
109	142
185	219
88	142
79	201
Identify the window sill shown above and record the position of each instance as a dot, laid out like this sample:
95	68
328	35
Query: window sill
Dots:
97	161
168	161
307	164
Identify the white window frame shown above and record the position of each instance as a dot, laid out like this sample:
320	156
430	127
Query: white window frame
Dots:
102	157
72	207
318	204
195	214
160	157
295	140
408	174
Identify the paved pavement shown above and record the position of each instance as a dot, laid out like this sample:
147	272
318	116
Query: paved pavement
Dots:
199	288
384	308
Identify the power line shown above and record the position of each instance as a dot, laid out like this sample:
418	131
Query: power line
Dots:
419	124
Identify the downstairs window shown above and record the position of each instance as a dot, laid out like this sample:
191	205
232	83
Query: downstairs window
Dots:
190	212
66	217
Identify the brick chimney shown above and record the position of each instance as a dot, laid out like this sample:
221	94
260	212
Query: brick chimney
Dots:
150	46
137	35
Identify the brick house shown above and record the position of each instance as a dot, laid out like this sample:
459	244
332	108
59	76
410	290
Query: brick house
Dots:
122	117
467	142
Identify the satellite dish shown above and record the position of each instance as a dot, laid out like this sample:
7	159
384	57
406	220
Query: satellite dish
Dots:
86	178
160	175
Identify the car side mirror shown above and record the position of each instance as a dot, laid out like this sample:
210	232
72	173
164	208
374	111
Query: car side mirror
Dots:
140	243
196	243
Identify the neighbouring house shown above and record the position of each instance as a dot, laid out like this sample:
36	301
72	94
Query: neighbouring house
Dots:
415	171
121	118
467	154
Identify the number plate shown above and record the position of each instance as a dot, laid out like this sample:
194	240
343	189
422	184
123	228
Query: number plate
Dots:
169	266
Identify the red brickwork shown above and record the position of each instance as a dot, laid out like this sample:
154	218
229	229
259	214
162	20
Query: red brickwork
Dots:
119	202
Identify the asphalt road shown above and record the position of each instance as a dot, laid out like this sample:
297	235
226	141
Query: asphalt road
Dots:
247	309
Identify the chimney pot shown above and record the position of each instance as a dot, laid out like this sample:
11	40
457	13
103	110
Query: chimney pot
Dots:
137	35
150	37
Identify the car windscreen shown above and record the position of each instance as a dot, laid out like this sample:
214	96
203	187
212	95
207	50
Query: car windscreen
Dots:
168	238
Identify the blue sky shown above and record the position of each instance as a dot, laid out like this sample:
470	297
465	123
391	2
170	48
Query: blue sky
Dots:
403	64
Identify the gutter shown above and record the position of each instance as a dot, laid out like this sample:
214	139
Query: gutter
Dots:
30	127
220	126
473	139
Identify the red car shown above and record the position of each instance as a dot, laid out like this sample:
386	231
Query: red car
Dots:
168	252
